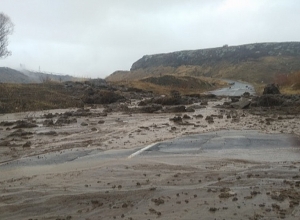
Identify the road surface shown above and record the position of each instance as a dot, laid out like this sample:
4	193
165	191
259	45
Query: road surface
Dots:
234	89
247	144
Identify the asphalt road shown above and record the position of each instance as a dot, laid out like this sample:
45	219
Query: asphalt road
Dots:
235	89
237	144
247	144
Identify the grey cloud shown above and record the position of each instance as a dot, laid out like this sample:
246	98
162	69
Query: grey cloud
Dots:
94	38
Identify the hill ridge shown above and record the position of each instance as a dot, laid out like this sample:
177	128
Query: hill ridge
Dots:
256	63
8	75
233	54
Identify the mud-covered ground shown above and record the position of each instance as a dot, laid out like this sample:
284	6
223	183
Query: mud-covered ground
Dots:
163	187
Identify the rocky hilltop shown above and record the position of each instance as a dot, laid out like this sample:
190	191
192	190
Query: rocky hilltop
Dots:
254	63
213	56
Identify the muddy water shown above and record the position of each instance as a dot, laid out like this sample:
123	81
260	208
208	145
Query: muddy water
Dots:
58	162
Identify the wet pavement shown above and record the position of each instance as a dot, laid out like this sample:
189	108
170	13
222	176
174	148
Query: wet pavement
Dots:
234	89
247	144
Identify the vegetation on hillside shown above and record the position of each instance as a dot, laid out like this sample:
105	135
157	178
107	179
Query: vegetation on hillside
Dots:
257	64
288	83
165	84
8	75
261	71
32	97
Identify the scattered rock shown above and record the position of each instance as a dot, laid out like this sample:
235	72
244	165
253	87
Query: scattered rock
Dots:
49	115
213	209
269	100
198	116
158	201
149	108
185	116
20	133
153	211
27	144
174	109
95	96
176	119
4	143
84	124
103	114
24	124
50	133
7	123
190	109
48	122
209	119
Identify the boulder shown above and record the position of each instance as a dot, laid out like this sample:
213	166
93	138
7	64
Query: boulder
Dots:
190	109
149	108
241	104
246	94
235	98
48	122
24	124
174	109
27	144
7	123
84	124
209	119
176	119
198	116
270	100
50	133
271	89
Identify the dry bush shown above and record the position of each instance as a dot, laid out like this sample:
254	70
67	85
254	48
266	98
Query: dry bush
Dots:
281	79
295	80
289	83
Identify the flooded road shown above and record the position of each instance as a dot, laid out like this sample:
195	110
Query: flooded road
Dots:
234	89
247	144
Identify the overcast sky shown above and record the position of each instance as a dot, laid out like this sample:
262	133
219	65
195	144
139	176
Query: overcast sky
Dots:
93	38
